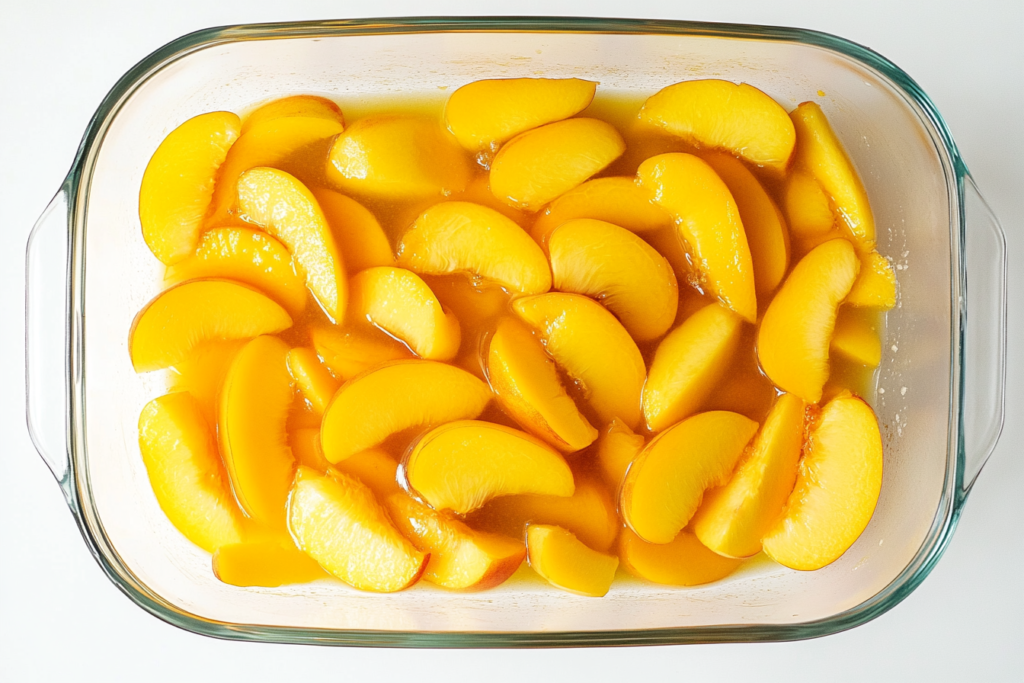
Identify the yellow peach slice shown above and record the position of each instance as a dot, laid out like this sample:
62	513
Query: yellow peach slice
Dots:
394	397
337	521
618	269
836	490
349	352
312	379
399	158
360	237
183	317
534	167
792	342
808	211
460	558
202	374
305	445
376	469
454	237
665	484
178	183
733	518
525	381
593	348
708	218
875	286
485	112
281	205
856	338
566	563
617	447
400	302
689	364
738	118
180	454
461	465
265	563
296	105
683	561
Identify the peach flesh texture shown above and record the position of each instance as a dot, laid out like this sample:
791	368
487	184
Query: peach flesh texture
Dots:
566	563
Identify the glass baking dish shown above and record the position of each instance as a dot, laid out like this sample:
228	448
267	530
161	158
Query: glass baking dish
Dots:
940	386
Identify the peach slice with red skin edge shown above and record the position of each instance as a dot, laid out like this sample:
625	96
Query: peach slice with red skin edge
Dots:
311	377
296	105
357	231
266	563
617	447
352	350
875	286
566	563
683	561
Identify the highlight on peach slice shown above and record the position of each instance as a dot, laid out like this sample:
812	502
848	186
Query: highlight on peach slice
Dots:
485	112
181	318
525	381
336	520
837	487
454	237
566	563
400	302
397	157
593	348
534	167
733	518
348	352
376	469
180	454
295	105
617	447
267	563
618	269
312	379
394	397
722	115
245	255
281	205
793	340
856	338
460	558
689	364
708	218
683	561
201	373
178	183
305	445
357	231
808	211
875	286
665	484
461	465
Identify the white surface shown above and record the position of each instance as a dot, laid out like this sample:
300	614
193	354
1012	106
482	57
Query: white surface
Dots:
60	617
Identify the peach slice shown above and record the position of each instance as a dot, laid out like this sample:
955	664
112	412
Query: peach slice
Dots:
399	158
267	563
178	183
181	318
713	113
460	558
296	105
337	521
281	205
305	445
400	302
593	348
376	469
394	397
618	269
534	167
461	465
708	218
665	484
180	454
856	338
734	517
525	381
202	374
349	352
566	563
311	377
792	343
683	561
689	364
249	256
617	447
454	237
485	112
875	286
360	237
808	211
836	490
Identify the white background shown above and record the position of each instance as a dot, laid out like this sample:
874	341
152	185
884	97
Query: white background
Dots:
61	619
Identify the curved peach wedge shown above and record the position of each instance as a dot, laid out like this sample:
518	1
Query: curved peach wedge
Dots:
566	563
618	269
683	561
349	352
793	340
836	490
617	447
201	373
394	397
808	211
875	286
713	113
266	563
312	379
178	183
296	105
461	465
665	484
360	238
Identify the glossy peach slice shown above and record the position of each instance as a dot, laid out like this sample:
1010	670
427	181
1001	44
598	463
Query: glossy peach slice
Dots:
875	286
376	469
178	183
181	318
665	484
837	488
295	105
534	167
614	266
454	237
202	373
683	561
267	563
856	338
180	454
357	231
312	379
708	219
566	563
461	465
395	397
305	445
808	210
793	340
737	118
351	351
490	111
617	447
